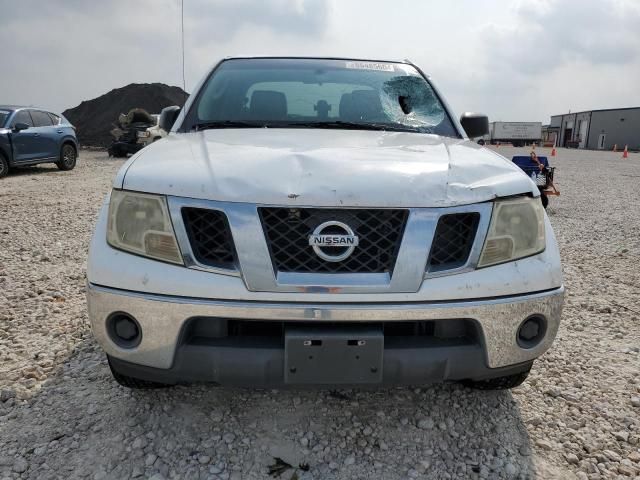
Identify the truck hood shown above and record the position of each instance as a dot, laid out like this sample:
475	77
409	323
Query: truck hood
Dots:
331	168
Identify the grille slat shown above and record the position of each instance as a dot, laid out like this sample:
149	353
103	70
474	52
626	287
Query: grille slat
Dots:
287	231
453	241
210	237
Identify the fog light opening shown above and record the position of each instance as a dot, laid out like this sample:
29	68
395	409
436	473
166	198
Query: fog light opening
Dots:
532	331
124	330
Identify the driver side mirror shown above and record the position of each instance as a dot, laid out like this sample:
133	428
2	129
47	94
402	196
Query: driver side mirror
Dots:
18	127
168	117
475	124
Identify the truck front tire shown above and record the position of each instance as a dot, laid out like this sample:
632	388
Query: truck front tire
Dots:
131	382
499	383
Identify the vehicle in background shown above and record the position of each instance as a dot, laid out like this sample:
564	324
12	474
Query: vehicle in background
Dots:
540	172
518	134
153	133
483	139
29	136
130	132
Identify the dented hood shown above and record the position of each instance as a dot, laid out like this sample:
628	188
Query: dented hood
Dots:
323	168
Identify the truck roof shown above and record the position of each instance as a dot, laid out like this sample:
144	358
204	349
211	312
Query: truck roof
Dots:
307	57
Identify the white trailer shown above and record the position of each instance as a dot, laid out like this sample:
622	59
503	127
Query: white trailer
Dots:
517	133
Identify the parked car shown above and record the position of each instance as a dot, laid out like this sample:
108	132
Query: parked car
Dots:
29	136
322	221
130	132
153	133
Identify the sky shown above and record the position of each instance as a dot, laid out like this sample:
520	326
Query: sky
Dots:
519	60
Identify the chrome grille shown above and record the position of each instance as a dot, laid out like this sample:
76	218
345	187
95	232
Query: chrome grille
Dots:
210	237
453	241
287	232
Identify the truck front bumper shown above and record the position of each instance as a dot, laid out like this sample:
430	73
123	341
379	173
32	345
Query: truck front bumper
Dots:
168	350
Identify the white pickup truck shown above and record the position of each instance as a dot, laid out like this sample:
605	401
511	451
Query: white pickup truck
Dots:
322	221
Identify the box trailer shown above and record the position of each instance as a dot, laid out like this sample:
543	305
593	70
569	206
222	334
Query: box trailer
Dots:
517	133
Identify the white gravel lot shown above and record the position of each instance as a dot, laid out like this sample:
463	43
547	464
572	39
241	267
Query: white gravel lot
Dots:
62	416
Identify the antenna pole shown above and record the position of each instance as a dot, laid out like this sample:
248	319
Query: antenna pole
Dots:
184	83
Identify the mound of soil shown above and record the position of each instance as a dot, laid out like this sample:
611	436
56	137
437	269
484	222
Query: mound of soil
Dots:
94	119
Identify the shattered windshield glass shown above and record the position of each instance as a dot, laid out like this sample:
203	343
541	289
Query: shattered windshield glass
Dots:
318	93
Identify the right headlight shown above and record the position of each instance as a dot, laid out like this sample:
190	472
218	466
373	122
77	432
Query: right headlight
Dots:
516	231
140	223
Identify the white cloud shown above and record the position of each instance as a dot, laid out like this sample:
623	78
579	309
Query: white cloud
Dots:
524	60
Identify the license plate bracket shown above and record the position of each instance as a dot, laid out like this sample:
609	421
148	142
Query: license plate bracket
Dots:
327	356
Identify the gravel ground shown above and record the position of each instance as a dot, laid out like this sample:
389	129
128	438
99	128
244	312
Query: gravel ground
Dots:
62	416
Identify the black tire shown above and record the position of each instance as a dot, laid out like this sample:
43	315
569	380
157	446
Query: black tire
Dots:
499	383
68	157
131	382
481	142
4	166
116	151
544	199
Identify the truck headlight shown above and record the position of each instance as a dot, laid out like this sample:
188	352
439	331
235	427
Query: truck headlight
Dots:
139	223
516	231
144	134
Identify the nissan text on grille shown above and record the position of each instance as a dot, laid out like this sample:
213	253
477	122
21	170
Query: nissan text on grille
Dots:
322	221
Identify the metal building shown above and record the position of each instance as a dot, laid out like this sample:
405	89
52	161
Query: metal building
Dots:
598	129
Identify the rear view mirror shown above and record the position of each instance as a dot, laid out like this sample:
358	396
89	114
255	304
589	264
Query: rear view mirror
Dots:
18	127
168	117
475	124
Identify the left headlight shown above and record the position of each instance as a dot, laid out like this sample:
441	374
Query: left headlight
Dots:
140	223
516	231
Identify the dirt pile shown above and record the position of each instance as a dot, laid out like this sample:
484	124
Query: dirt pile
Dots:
94	119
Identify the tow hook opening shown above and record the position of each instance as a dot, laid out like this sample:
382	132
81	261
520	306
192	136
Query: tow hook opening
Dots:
531	331
124	330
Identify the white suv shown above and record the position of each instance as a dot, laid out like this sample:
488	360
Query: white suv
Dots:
322	221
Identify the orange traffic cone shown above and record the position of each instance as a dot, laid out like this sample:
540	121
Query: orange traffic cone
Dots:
615	147
625	154
553	152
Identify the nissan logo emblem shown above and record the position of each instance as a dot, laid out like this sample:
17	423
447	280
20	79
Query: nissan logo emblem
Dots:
333	236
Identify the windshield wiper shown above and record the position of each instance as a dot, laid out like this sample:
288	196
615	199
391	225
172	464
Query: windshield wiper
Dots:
228	124
341	124
337	124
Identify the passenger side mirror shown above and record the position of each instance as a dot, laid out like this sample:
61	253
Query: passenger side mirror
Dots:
475	124
168	117
18	127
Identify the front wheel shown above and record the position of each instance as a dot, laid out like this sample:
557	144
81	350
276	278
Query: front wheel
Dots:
68	156
499	383
4	166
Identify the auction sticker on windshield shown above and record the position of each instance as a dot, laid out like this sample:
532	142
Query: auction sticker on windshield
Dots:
383	67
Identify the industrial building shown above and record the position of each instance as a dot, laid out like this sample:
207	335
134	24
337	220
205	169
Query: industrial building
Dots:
596	129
